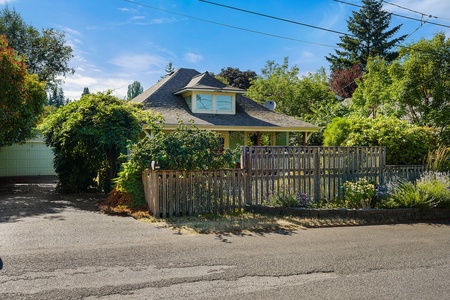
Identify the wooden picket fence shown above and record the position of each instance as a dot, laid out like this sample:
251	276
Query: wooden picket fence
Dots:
180	193
316	172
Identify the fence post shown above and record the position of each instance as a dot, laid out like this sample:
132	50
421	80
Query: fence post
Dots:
248	176
316	160
382	165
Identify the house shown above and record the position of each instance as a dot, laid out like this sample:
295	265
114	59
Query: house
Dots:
191	96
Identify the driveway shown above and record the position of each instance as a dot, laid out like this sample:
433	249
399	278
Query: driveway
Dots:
56	246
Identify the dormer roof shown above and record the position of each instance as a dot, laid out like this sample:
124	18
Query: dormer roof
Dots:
207	82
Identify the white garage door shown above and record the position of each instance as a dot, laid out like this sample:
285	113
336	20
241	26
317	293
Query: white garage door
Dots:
30	159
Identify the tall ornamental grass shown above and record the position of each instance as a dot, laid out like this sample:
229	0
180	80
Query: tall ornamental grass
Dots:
431	190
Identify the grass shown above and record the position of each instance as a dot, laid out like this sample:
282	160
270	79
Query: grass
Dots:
230	223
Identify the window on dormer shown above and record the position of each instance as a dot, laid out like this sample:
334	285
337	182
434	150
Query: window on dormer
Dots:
188	100
204	102
224	103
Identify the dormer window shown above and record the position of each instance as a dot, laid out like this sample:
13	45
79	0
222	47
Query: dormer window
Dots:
215	103
205	94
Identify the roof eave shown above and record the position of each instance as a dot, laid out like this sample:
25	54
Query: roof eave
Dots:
247	128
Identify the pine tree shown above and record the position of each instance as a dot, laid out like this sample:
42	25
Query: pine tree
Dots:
370	37
85	91
169	68
57	97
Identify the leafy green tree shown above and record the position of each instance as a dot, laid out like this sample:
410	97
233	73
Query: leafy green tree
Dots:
421	82
371	36
22	97
134	90
88	136
46	51
415	87
237	78
374	93
308	97
85	91
405	143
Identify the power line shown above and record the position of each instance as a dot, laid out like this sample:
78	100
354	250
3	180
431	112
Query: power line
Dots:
276	18
414	11
397	15
230	26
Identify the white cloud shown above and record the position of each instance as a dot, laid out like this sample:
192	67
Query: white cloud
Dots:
161	21
5	1
307	54
138	62
137	18
74	85
192	57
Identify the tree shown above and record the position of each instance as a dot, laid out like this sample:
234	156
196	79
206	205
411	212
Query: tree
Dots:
343	81
22	97
169	69
46	51
56	98
85	91
134	89
374	92
421	83
88	136
415	87
308	97
237	78
371	36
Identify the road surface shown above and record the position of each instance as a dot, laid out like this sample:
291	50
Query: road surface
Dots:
60	247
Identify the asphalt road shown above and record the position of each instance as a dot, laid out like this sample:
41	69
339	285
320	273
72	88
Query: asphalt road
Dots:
60	247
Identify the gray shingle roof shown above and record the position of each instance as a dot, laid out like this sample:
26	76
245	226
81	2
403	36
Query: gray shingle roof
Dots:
162	98
206	81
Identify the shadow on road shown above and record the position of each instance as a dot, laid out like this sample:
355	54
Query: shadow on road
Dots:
19	199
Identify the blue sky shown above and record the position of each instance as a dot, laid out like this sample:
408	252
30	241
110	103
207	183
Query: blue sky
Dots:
116	42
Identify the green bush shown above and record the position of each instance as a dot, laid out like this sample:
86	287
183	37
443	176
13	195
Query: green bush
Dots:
405	144
186	148
358	194
283	199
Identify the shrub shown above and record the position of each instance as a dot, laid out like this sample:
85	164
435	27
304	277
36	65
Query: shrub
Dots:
288	198
358	194
186	148
405	143
431	190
